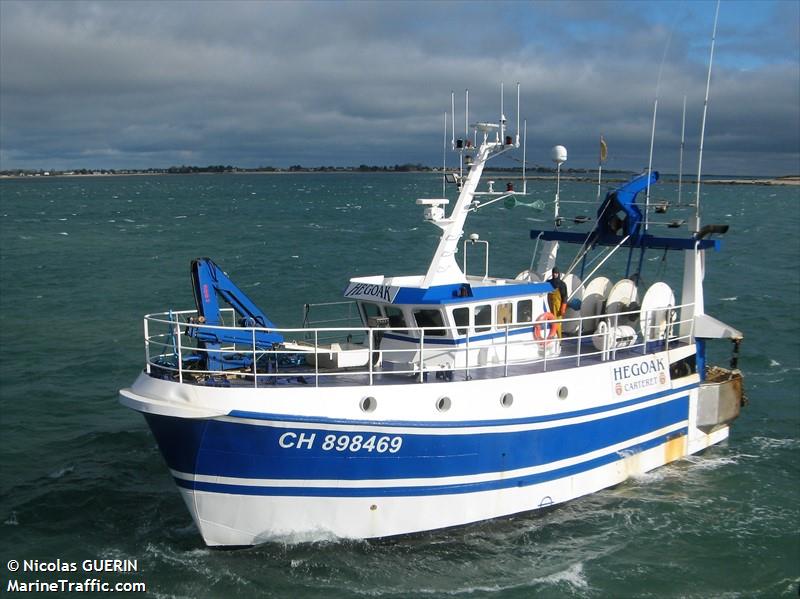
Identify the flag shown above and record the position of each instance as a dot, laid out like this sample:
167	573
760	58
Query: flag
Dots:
603	150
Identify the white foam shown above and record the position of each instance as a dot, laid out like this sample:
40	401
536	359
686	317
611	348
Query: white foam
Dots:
573	576
62	472
771	443
318	537
703	462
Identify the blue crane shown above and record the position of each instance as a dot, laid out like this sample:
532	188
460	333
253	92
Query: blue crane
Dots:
210	283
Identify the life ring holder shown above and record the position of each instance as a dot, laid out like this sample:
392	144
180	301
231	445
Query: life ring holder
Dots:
541	326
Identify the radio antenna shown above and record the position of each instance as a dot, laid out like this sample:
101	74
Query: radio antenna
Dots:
444	157
680	161
502	116
453	119
516	140
703	126
524	157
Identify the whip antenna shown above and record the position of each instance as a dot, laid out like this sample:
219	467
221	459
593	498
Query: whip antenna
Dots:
703	126
653	130
680	161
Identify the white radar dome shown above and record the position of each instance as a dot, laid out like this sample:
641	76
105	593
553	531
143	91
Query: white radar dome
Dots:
559	154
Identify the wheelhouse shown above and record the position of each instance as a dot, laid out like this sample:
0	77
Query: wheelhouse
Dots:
474	309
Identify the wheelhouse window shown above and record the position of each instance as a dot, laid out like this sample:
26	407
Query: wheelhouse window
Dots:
373	314
483	318
396	318
430	318
504	314
461	319
371	310
525	310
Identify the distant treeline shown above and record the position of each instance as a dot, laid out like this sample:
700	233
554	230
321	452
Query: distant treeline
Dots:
295	168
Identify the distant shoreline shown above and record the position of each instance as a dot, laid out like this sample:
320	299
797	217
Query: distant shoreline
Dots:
781	181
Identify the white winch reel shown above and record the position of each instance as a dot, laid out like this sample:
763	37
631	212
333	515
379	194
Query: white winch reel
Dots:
658	313
593	302
607	337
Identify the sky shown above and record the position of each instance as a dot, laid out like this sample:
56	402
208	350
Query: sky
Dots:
140	85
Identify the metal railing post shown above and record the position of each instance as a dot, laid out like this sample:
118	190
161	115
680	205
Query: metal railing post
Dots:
544	347
316	357
668	328
580	339
371	349
422	355
255	361
613	339
466	362
505	366
180	352
147	346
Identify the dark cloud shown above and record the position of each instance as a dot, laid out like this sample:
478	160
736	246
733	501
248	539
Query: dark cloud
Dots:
137	84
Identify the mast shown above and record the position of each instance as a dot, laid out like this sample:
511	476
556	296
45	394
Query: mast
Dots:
444	157
524	155
444	269
466	114
502	114
603	155
559	156
453	119
650	163
703	125
680	161
694	260
517	131
655	112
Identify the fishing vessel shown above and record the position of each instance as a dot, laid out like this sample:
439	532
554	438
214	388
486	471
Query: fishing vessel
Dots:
456	397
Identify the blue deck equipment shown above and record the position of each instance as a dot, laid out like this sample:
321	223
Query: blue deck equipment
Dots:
619	210
619	216
210	283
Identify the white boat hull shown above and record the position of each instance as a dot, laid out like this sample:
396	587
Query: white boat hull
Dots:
239	520
309	464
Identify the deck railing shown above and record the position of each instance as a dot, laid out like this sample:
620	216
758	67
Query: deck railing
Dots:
505	350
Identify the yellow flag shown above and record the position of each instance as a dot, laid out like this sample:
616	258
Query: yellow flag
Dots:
603	150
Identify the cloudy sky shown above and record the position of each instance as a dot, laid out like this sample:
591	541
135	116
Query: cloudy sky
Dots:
137	84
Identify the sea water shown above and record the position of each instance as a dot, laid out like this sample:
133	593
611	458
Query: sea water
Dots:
83	259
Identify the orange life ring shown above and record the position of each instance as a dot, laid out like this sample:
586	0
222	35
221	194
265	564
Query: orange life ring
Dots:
540	327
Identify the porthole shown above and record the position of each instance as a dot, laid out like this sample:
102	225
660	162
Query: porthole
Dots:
506	400
368	404
443	403
563	392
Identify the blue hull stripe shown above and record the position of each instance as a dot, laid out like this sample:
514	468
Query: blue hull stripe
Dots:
415	491
460	423
241	450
